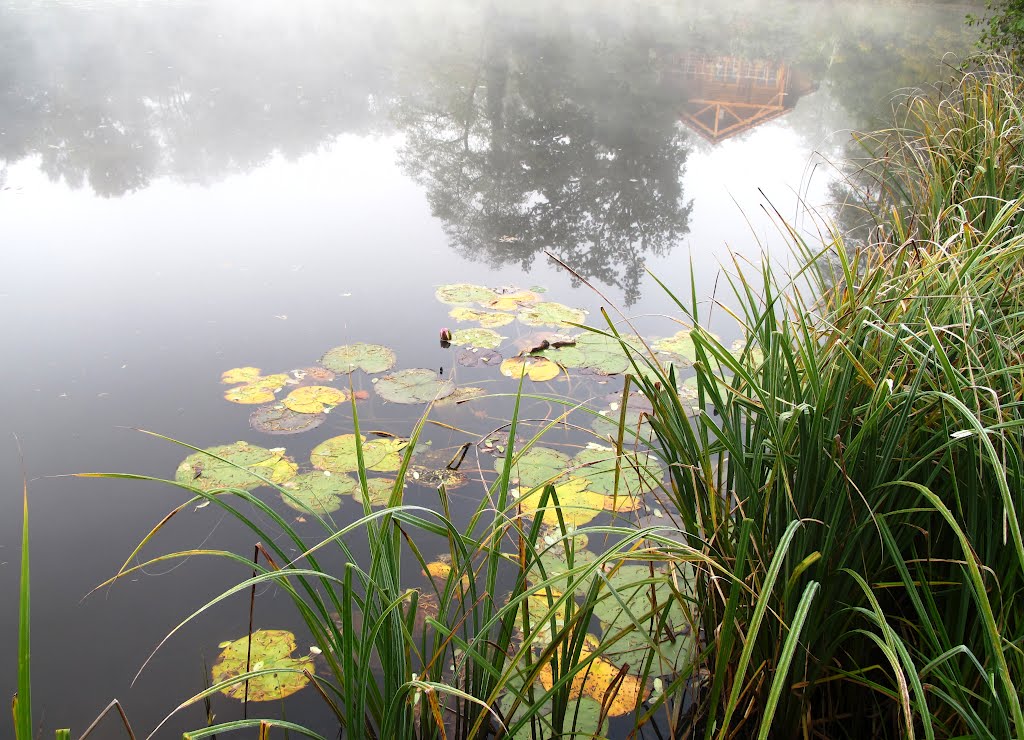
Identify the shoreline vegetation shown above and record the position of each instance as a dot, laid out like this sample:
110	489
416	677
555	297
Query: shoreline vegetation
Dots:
841	554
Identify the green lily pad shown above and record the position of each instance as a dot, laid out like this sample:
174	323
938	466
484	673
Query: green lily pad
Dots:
379	489
465	393
276	419
370	358
595	352
537	466
245	463
554	564
576	503
483	338
338	454
457	293
649	603
271	649
582	717
478	358
413	386
637	426
754	354
551	314
679	344
319	493
638	472
491	319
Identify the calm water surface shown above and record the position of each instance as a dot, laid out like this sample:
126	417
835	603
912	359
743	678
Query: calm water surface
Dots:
190	187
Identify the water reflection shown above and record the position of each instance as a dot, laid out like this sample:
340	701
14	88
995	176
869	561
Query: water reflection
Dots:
552	140
528	129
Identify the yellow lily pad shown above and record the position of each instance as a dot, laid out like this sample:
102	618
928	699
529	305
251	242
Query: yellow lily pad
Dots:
270	649
488	319
338	454
240	375
596	682
259	390
535	368
313	399
550	313
513	301
578	504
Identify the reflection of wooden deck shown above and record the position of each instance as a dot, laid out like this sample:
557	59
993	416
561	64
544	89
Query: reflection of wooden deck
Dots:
728	95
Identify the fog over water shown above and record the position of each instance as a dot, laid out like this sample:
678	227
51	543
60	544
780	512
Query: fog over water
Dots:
187	187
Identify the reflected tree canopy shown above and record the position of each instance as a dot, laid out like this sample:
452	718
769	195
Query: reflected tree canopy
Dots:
532	127
556	142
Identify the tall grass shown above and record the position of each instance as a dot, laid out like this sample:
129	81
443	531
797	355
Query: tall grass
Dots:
468	665
855	472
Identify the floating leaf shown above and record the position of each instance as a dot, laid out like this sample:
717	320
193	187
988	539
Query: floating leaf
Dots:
512	301
276	419
245	462
461	394
484	318
595	352
536	466
338	454
478	358
413	386
318	493
240	375
485	338
551	314
535	368
577	503
753	352
314	374
259	390
430	468
597	682
582	717
271	649
456	293
370	358
379	489
679	344
249	394
636	424
657	608
638	473
313	399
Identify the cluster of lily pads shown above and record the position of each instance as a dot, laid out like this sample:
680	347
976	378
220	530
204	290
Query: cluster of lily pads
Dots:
596	480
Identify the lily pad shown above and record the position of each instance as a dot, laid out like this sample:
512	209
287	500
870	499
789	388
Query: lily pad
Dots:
534	368
490	319
512	301
598	682
313	374
429	467
595	352
270	649
276	419
413	386
456	293
485	338
318	492
464	393
658	610
244	463
240	375
370	358
379	489
636	424
338	454
537	466
578	504
638	472
550	313
582	717
679	344
313	399
478	358
259	390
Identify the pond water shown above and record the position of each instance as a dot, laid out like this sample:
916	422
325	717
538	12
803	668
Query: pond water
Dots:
190	187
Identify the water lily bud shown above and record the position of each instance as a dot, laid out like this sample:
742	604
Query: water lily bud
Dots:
446	335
